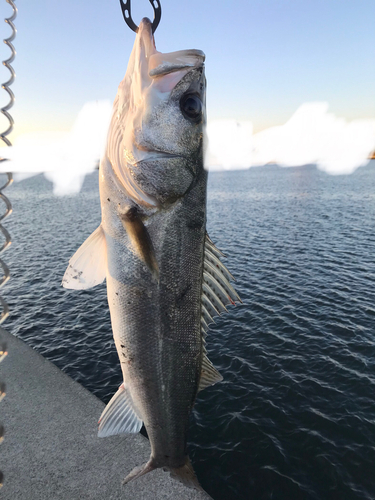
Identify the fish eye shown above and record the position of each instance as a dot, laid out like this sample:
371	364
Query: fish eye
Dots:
191	107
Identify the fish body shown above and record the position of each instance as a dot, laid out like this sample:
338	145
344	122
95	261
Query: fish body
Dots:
156	320
164	278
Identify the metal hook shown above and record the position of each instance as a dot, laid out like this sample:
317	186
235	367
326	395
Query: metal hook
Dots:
125	7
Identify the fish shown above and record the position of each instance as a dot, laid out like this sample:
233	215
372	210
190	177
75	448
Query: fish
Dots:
165	279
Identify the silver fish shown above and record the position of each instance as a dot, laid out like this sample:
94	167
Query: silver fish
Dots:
165	280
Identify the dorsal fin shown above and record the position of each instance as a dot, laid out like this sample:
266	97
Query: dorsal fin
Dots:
209	374
217	292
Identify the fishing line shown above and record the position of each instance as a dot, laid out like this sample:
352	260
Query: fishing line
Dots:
8	207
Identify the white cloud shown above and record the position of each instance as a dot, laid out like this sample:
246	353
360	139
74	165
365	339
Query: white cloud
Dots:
229	145
64	157
310	136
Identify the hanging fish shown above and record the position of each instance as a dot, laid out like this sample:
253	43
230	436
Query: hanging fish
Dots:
165	281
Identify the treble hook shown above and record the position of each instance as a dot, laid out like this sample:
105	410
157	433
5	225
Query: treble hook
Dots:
125	7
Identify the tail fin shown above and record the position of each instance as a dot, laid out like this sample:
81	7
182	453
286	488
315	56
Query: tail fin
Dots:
139	471
184	474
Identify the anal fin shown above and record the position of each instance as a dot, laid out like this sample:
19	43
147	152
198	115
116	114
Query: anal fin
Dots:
119	416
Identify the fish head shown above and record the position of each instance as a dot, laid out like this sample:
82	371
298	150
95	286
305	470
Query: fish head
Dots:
156	137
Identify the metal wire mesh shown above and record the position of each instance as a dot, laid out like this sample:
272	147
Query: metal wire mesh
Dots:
7	205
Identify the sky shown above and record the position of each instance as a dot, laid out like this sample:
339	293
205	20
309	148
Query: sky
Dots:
289	82
264	58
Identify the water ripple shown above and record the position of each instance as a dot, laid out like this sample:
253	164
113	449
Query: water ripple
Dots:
294	416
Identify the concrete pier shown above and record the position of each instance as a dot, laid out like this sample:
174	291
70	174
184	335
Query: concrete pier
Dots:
51	450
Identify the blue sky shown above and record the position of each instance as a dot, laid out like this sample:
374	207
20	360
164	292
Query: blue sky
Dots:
264	57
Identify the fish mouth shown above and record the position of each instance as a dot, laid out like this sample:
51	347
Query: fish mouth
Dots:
149	153
146	38
161	64
159	155
145	154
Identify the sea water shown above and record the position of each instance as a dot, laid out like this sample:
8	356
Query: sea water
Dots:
294	417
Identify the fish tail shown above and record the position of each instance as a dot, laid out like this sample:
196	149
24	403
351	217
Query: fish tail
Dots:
186	475
139	471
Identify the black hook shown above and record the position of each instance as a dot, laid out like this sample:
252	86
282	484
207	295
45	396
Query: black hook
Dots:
125	7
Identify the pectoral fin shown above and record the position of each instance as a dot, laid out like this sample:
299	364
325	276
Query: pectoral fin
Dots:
140	240
88	266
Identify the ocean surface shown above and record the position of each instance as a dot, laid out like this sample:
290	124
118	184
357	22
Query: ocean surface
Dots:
294	417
